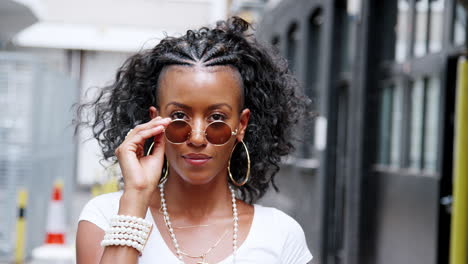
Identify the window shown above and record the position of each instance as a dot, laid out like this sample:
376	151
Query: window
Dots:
386	103
397	120
431	124
314	33
409	100
423	125
313	49
390	125
275	41
416	124
292	46
459	27
436	25
402	30
421	21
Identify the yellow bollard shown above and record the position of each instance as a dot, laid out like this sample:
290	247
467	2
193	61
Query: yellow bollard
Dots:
21	226
96	190
459	229
112	185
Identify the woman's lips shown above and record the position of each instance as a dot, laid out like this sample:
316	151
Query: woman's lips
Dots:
196	159
196	162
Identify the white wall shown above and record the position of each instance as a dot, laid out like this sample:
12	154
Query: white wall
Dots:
99	69
109	25
107	32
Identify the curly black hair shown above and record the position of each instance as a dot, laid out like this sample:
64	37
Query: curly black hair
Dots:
271	92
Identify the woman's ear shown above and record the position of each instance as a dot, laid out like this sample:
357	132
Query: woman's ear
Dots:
244	121
153	112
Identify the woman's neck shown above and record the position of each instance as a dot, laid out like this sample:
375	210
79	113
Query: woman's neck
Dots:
196	202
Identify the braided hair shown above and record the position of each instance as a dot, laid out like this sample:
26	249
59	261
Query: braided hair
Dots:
270	91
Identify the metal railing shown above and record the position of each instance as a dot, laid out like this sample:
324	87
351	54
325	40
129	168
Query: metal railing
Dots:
36	144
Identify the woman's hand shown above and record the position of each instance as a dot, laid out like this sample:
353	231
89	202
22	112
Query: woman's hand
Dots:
142	173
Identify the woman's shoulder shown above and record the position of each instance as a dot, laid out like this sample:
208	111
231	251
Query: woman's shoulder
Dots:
275	216
99	209
286	233
105	199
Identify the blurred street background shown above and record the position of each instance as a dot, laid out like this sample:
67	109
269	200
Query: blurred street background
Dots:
379	177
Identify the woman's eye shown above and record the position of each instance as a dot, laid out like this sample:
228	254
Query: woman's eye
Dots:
217	117
178	115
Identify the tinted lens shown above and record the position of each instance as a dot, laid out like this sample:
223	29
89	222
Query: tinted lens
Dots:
178	131
218	133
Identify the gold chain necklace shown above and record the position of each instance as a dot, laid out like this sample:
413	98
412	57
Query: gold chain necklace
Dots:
185	227
167	220
203	256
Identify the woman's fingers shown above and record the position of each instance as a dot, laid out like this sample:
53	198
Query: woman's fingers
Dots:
158	145
151	124
147	133
136	139
142	172
154	161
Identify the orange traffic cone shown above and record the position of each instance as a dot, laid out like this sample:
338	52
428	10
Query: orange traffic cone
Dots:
55	229
54	251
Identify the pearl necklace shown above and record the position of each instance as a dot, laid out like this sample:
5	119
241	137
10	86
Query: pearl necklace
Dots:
167	220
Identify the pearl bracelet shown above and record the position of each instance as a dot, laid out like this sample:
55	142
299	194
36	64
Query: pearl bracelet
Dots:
123	242
128	231
130	219
125	236
143	228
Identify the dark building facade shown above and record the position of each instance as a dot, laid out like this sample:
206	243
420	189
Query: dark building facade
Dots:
374	175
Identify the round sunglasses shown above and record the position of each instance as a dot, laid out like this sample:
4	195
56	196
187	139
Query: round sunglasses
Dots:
217	132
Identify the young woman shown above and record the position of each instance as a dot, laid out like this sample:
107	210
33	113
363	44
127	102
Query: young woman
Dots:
198	125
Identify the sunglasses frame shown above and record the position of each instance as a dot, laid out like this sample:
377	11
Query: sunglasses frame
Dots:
233	133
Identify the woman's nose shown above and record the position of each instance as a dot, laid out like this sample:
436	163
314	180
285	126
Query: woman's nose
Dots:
197	137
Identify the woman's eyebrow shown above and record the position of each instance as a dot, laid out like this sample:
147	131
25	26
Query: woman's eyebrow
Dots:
178	105
211	107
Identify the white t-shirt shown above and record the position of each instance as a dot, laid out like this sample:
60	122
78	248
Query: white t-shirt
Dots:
274	237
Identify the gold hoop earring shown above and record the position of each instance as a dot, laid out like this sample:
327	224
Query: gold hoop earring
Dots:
166	171
150	148
247	175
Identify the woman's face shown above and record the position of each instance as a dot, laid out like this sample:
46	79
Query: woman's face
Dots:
201	95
